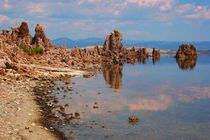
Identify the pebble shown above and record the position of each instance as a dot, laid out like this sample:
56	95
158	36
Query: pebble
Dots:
33	124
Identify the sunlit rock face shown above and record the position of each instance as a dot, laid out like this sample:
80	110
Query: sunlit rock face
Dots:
21	34
113	75
40	39
113	42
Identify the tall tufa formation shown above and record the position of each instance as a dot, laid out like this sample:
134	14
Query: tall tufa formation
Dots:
21	34
113	42
40	39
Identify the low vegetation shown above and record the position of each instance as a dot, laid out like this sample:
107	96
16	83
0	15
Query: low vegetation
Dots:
33	51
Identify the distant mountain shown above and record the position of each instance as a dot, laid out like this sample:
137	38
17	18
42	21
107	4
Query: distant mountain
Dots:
80	43
173	45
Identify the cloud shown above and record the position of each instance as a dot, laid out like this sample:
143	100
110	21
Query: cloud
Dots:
5	20
38	9
4	5
193	11
149	104
162	4
135	32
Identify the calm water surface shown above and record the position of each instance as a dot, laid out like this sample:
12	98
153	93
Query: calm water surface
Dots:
171	100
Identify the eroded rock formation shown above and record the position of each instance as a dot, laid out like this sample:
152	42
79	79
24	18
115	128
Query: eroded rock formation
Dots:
113	42
20	35
40	39
186	51
113	52
186	57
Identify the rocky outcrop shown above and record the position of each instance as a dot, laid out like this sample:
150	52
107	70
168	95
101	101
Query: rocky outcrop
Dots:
40	39
186	57
21	35
6	33
186	51
4	59
113	42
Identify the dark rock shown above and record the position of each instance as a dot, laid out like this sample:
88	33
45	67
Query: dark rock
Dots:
23	30
77	115
133	120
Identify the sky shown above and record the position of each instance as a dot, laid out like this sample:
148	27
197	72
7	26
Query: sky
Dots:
143	20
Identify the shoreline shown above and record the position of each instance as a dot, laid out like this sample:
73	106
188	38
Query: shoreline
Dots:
23	110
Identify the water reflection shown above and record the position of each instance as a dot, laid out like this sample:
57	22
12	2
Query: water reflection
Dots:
186	64
113	76
155	59
165	107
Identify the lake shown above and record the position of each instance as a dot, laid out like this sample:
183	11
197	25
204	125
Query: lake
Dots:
171	99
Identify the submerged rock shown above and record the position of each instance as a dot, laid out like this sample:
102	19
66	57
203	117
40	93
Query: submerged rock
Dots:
133	120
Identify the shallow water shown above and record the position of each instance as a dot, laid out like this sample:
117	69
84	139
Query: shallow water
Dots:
171	100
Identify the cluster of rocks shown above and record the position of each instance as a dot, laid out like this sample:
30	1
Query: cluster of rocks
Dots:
186	57
21	36
186	51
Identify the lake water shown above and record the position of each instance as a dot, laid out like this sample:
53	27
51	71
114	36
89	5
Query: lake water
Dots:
170	99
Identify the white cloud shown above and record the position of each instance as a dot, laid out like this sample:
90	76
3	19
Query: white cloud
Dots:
163	4
39	10
193	11
5	20
135	33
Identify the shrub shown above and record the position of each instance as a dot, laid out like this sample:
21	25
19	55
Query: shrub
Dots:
37	50
34	51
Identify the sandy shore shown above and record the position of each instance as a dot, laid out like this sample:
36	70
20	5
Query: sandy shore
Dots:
19	113
20	116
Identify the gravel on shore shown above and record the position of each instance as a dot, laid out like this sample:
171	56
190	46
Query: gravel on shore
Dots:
19	113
